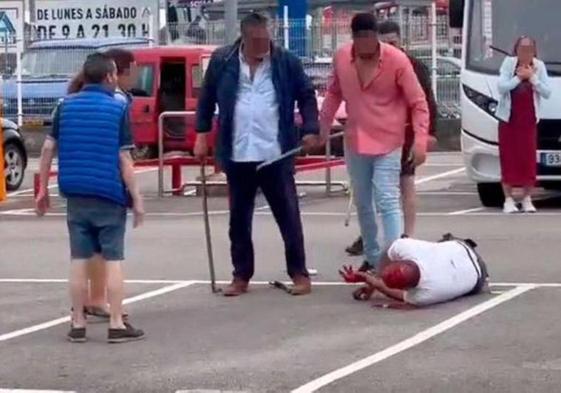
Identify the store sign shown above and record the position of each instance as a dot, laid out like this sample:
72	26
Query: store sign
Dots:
60	19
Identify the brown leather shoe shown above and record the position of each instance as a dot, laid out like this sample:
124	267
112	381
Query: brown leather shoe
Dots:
302	286
236	288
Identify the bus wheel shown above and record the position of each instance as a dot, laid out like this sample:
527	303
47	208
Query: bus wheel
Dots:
552	186
491	194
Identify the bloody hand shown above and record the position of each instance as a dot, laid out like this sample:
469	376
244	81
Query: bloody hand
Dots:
350	276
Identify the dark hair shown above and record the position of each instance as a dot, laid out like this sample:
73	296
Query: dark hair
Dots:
252	20
97	67
122	58
389	27
519	40
363	22
77	83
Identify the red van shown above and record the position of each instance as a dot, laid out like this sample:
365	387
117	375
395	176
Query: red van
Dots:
169	79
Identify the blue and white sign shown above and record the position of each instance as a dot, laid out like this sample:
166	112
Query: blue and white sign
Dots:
11	26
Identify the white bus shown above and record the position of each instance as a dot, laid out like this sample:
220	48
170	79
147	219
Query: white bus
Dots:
490	28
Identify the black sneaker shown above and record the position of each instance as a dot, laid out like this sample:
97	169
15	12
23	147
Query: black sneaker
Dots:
77	335
366	267
116	336
356	249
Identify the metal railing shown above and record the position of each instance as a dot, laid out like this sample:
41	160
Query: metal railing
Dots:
161	118
327	165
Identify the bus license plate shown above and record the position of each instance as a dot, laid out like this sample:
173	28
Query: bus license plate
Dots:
552	159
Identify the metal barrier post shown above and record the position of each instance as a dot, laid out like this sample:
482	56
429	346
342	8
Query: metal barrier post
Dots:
161	118
161	155
328	167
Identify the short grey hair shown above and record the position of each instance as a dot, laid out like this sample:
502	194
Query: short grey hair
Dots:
252	20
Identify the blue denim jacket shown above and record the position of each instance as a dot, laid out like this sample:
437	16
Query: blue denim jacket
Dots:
220	87
508	81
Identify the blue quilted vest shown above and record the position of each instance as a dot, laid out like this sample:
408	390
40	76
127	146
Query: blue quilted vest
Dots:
89	145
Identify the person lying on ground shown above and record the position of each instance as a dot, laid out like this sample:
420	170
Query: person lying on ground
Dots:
421	273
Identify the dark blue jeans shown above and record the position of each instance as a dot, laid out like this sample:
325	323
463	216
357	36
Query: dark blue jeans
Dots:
279	187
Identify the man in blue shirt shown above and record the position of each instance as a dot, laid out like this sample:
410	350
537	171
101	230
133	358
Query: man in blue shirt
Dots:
256	86
92	137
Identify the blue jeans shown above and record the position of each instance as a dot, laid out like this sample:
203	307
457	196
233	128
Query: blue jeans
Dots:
96	226
375	180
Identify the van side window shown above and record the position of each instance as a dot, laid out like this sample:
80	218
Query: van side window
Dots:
197	79
144	86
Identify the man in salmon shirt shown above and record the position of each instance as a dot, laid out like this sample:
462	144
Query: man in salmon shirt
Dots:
381	91
390	33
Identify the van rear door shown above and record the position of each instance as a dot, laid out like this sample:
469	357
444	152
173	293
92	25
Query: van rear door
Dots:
144	108
195	75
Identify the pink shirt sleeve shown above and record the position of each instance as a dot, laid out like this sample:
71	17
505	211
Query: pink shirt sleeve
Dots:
417	102
332	102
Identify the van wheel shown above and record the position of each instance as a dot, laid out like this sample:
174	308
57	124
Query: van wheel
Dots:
491	194
14	166
144	152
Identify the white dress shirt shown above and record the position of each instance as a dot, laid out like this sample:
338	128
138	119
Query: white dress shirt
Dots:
256	116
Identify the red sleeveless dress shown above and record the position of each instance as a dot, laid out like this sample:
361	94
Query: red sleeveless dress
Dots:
518	139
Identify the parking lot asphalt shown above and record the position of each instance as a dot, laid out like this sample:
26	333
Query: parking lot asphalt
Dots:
267	341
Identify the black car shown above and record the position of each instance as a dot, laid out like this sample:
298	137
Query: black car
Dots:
15	155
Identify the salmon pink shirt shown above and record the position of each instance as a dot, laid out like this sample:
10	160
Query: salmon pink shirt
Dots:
377	113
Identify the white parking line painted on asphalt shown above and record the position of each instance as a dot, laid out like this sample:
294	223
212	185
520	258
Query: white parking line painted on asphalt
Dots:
63	280
34	391
225	282
210	391
442	164
17	212
411	342
303	214
439	176
462	212
30	190
447	193
59	321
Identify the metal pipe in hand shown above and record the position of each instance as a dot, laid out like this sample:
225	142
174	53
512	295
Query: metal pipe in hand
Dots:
293	152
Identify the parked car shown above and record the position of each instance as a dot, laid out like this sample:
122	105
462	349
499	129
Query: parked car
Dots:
47	68
15	155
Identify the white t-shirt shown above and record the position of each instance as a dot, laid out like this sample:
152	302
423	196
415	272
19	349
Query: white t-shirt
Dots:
447	272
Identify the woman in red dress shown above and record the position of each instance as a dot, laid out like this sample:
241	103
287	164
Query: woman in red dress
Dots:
522	84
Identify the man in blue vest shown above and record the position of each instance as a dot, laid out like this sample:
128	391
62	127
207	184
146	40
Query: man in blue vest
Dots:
96	175
256	86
